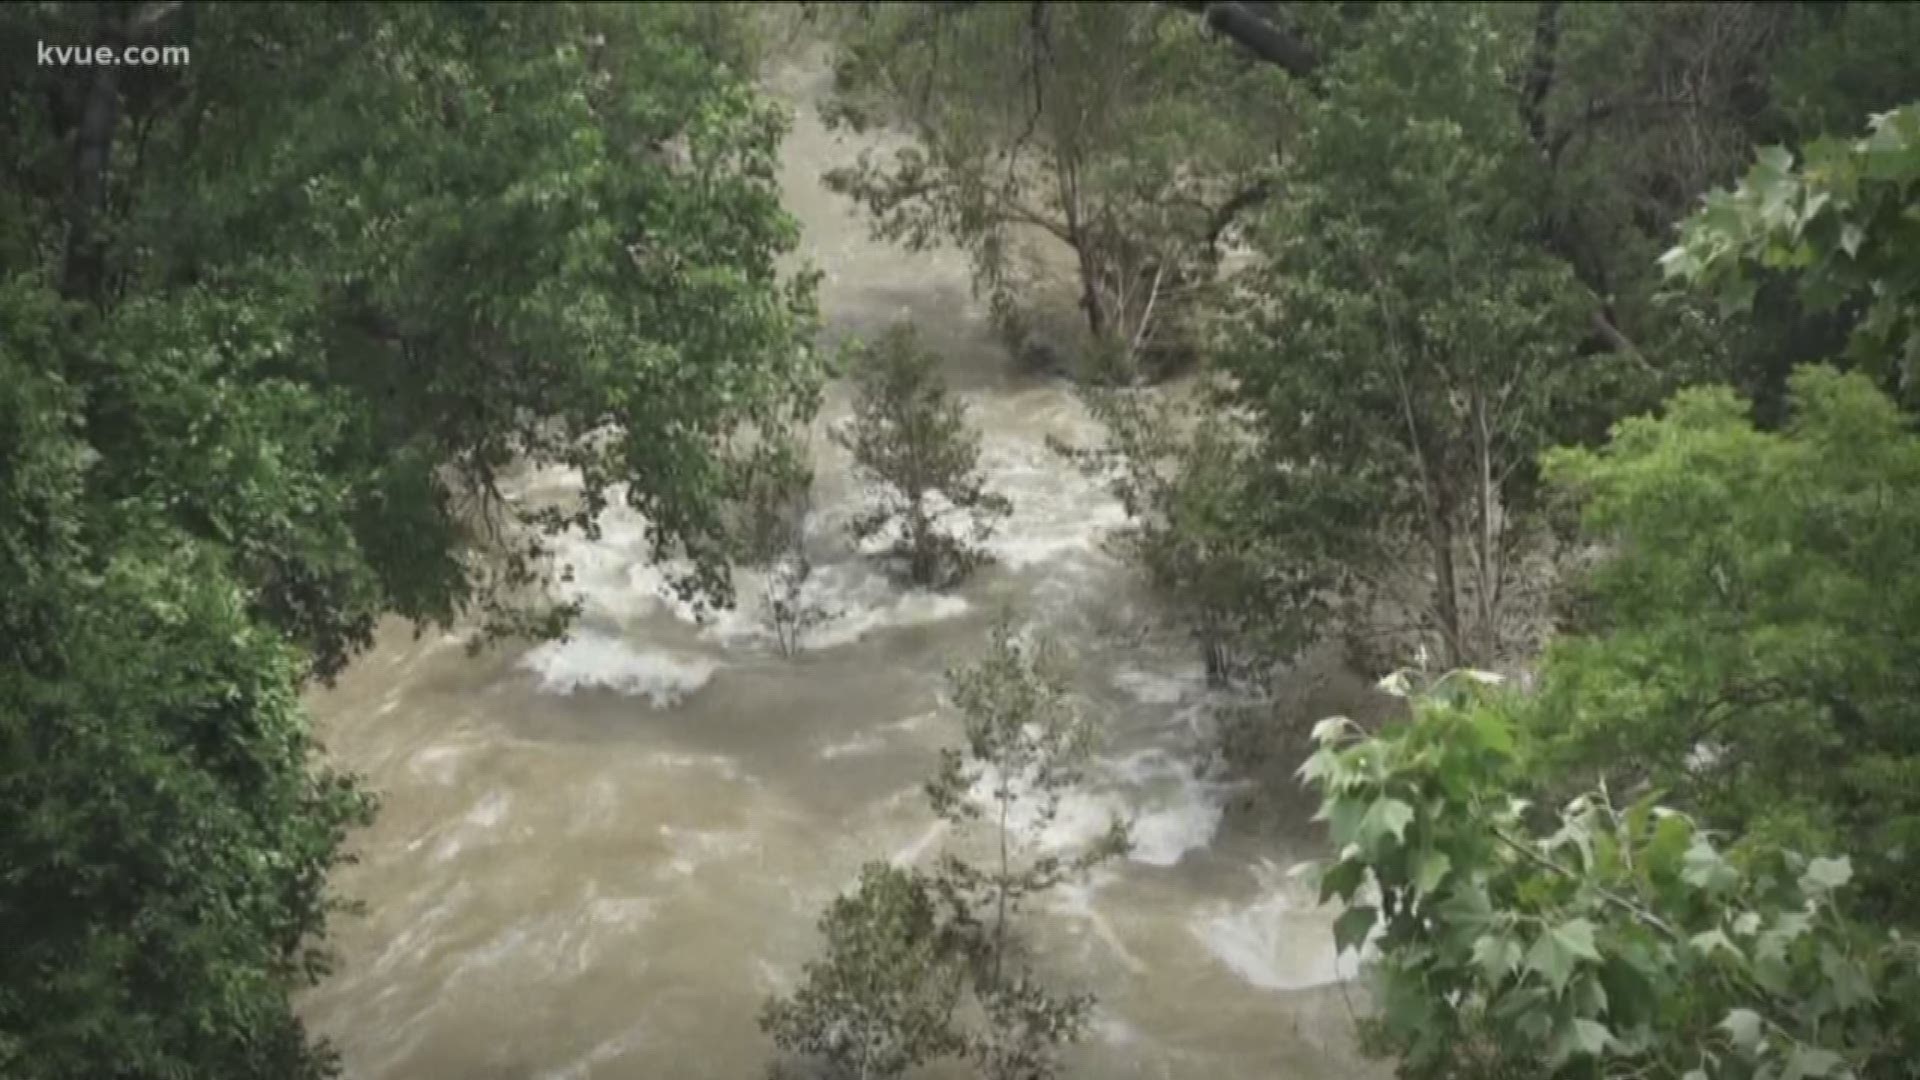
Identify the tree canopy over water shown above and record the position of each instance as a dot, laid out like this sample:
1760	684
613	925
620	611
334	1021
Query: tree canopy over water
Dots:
1574	343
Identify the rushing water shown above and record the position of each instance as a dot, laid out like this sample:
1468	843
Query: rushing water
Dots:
596	858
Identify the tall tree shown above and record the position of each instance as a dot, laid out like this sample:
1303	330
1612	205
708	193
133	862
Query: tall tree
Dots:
1404	349
457	243
1113	131
1741	644
277	324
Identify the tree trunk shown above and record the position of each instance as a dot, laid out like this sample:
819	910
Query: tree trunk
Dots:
83	275
1446	584
1219	666
1488	566
1090	298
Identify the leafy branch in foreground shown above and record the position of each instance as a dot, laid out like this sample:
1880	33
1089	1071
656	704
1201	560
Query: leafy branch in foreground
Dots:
1841	223
1591	941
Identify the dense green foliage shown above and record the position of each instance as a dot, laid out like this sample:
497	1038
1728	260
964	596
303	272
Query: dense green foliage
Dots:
279	327
340	236
273	328
166	839
1743	652
1405	347
1844	226
911	442
1593	940
928	964
1226	566
1749	638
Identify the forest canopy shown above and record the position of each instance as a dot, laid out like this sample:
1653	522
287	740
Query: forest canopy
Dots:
1556	362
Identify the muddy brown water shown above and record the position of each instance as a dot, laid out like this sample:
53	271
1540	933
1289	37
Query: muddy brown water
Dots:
597	858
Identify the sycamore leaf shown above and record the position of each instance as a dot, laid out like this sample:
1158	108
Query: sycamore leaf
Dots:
1327	730
1341	880
1706	869
1497	954
1826	875
1806	1061
1558	948
1433	870
1350	930
1743	1027
1850	237
1387	816
1706	943
1590	1037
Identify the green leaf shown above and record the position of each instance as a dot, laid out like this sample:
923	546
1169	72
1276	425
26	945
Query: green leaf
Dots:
1743	1027
1341	880
1556	951
1330	729
1706	869
1387	816
1826	875
1851	236
1590	1037
1497	954
1806	1061
1433	870
1706	943
1350	930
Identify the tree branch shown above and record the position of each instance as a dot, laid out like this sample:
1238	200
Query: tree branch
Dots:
1267	40
1222	218
1540	72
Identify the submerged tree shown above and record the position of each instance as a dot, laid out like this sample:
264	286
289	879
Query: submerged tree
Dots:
1246	586
769	533
922	965
910	439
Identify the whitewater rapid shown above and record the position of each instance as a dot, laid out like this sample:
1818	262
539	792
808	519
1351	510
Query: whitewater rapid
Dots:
596	857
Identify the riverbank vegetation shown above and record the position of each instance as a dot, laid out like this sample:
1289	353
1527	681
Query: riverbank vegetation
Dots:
1563	355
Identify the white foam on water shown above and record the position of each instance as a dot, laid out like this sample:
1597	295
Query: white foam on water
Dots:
584	1066
724	767
1159	687
481	820
917	850
1283	940
1173	810
489	812
695	848
1075	898
620	912
589	659
1169	810
864	743
420	933
1058	511
1163	837
1116	1032
440	763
